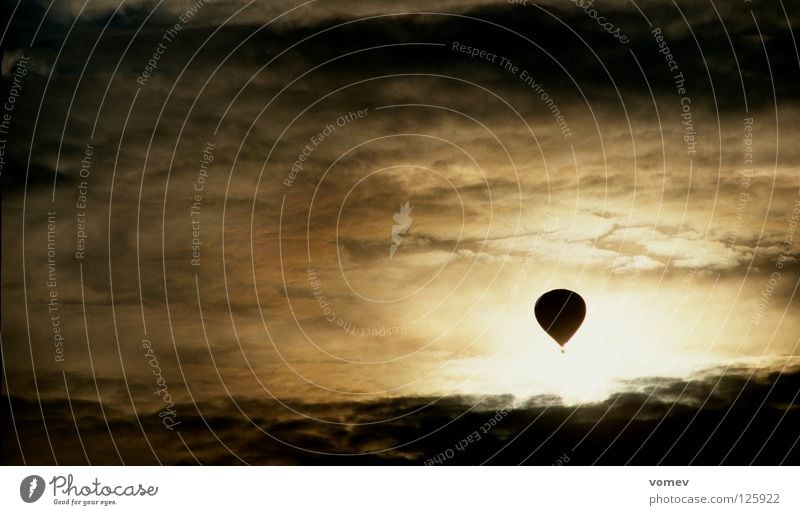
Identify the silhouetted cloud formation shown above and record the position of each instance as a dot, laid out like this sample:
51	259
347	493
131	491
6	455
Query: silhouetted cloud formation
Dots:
743	417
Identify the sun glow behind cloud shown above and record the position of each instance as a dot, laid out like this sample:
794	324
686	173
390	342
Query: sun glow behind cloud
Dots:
639	324
615	344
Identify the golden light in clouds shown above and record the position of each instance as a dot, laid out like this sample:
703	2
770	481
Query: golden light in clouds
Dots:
483	339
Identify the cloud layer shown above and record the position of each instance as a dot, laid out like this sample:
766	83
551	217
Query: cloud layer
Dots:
274	144
744	417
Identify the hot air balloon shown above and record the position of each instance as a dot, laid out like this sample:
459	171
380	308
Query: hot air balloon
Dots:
560	313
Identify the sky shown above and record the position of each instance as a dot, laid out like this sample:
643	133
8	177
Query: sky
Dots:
287	233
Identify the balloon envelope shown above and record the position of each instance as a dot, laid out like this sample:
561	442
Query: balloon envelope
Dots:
560	313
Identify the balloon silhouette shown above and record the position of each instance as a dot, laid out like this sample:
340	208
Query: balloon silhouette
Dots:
560	313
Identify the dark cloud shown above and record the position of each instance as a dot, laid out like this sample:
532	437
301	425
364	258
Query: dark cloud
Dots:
743	417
